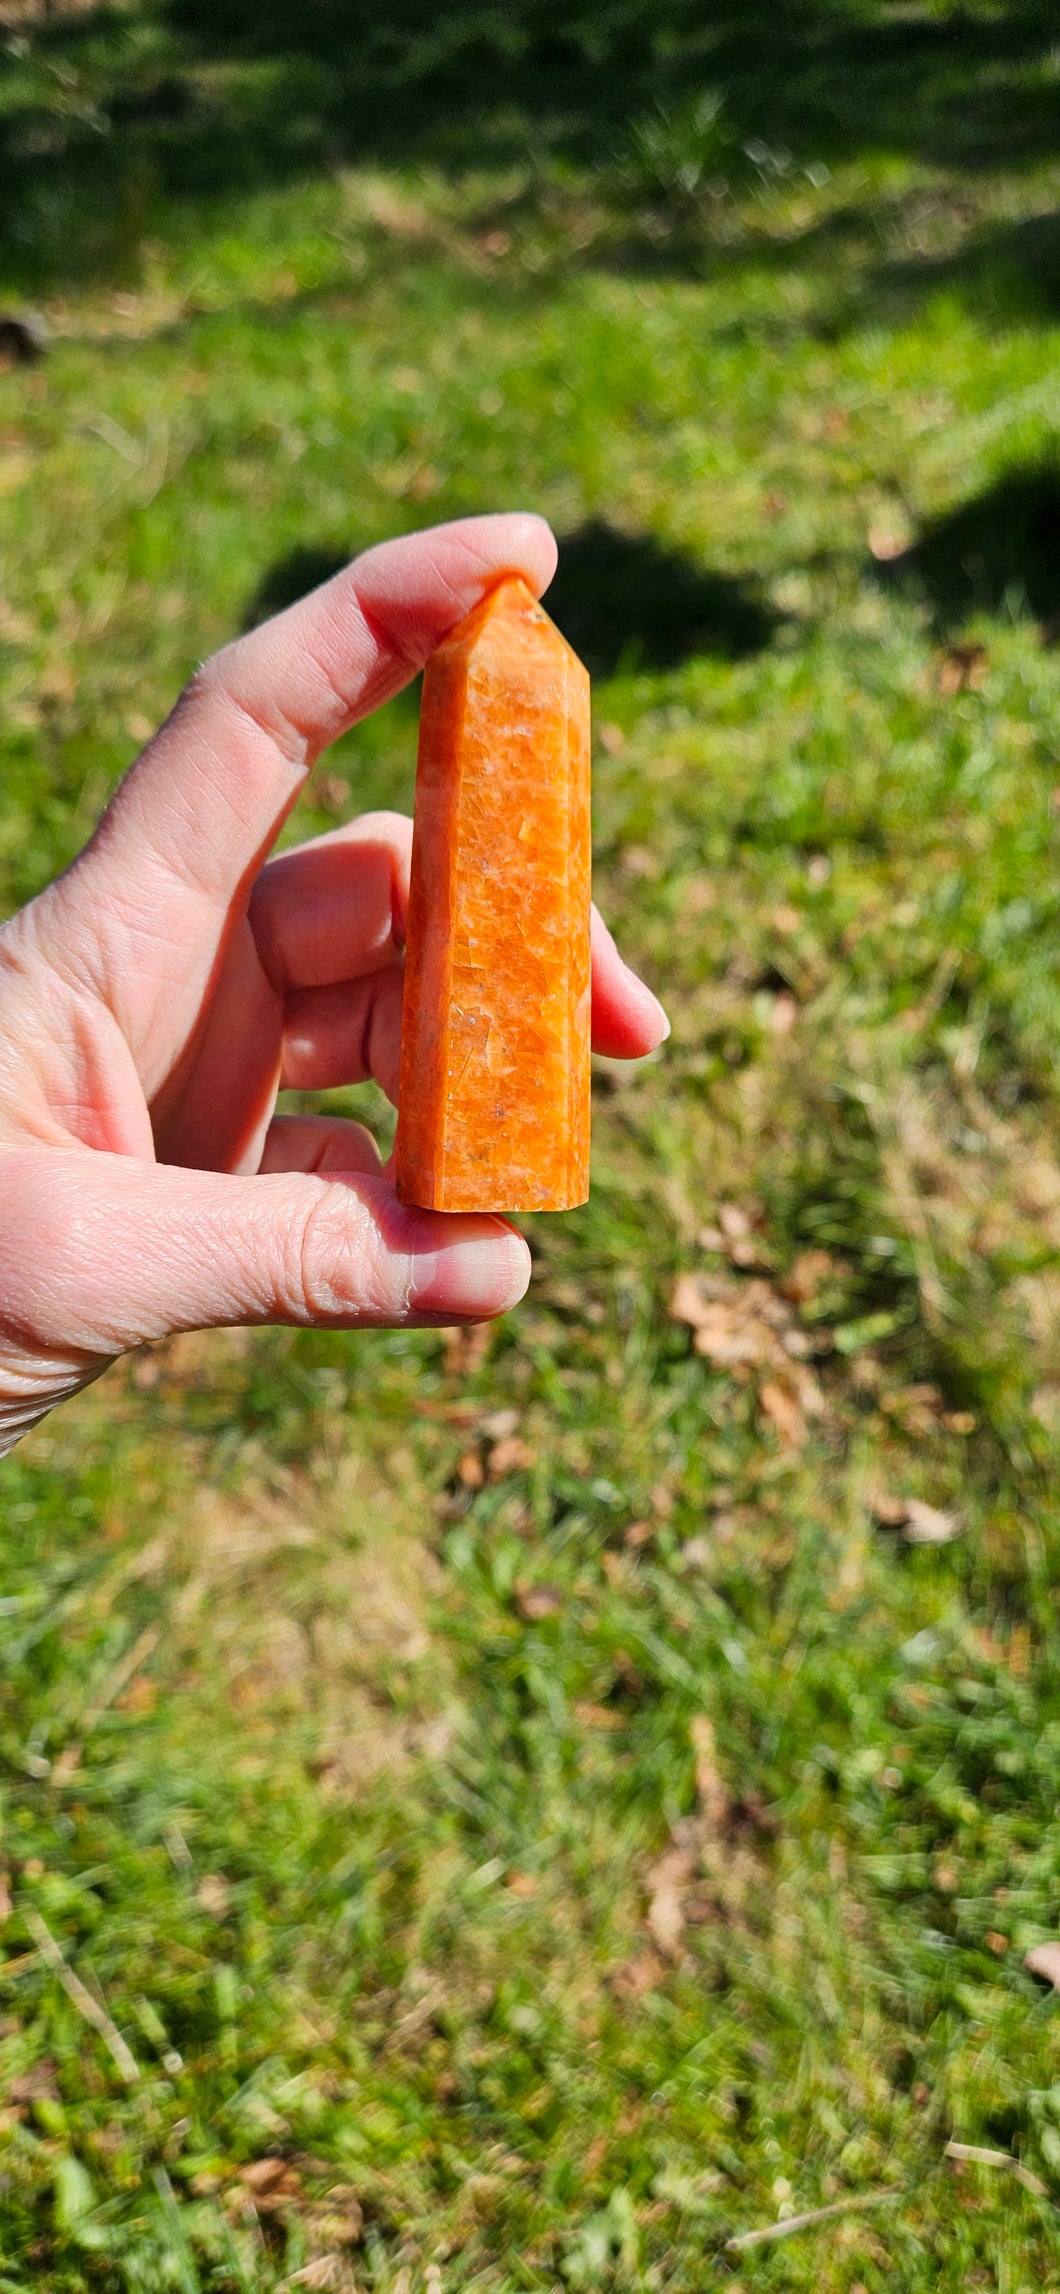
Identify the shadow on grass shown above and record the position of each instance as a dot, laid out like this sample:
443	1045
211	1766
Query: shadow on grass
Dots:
625	601
999	552
628	601
1009	272
290	578
111	113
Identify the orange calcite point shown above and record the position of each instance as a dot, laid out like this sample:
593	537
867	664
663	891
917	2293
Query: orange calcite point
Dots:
494	1098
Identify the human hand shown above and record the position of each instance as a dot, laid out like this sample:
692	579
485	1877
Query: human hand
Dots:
158	995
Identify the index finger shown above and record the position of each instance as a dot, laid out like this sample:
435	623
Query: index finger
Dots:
204	803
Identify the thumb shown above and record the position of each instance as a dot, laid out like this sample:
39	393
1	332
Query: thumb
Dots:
99	1253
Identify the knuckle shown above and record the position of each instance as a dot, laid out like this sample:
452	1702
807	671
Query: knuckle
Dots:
388	827
336	1268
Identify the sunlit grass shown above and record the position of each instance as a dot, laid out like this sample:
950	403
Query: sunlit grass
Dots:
354	1691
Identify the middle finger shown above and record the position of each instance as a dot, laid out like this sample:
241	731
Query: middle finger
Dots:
334	909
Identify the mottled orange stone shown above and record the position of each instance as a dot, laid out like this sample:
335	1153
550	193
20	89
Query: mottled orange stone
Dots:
494	1096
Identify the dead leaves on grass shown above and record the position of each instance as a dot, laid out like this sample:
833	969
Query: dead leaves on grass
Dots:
709	1872
751	1330
274	2189
961	669
640	1975
737	1235
273	2185
465	1347
928	1524
495	1452
214	1895
670	1881
498	1452
327	2274
917	1522
536	1602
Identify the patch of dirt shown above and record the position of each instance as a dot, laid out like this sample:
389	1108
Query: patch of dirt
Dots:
317	1608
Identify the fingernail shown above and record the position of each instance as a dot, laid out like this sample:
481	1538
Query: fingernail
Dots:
664	1024
479	1275
654	1015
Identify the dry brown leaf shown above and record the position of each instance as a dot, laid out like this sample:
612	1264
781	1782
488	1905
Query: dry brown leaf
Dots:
511	1456
16	627
730	1339
332	793
627	1671
639	1533
1019	1653
918	1407
812	1269
669	1881
927	1525
710	1791
734	1223
214	1895
611	738
145	1369
640	1975
263	2174
466	1347
340	2217
36	2085
597	1716
889	536
700	1911
779	1405
471	1472
962	669
888	1510
139	1697
272	2183
536	1601
1044	1960
499	1424
687	1302
639	861
521	1884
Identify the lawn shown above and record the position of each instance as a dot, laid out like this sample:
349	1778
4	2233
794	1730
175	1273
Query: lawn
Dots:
524	1809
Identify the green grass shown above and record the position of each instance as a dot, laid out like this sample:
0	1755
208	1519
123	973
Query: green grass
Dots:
379	1809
